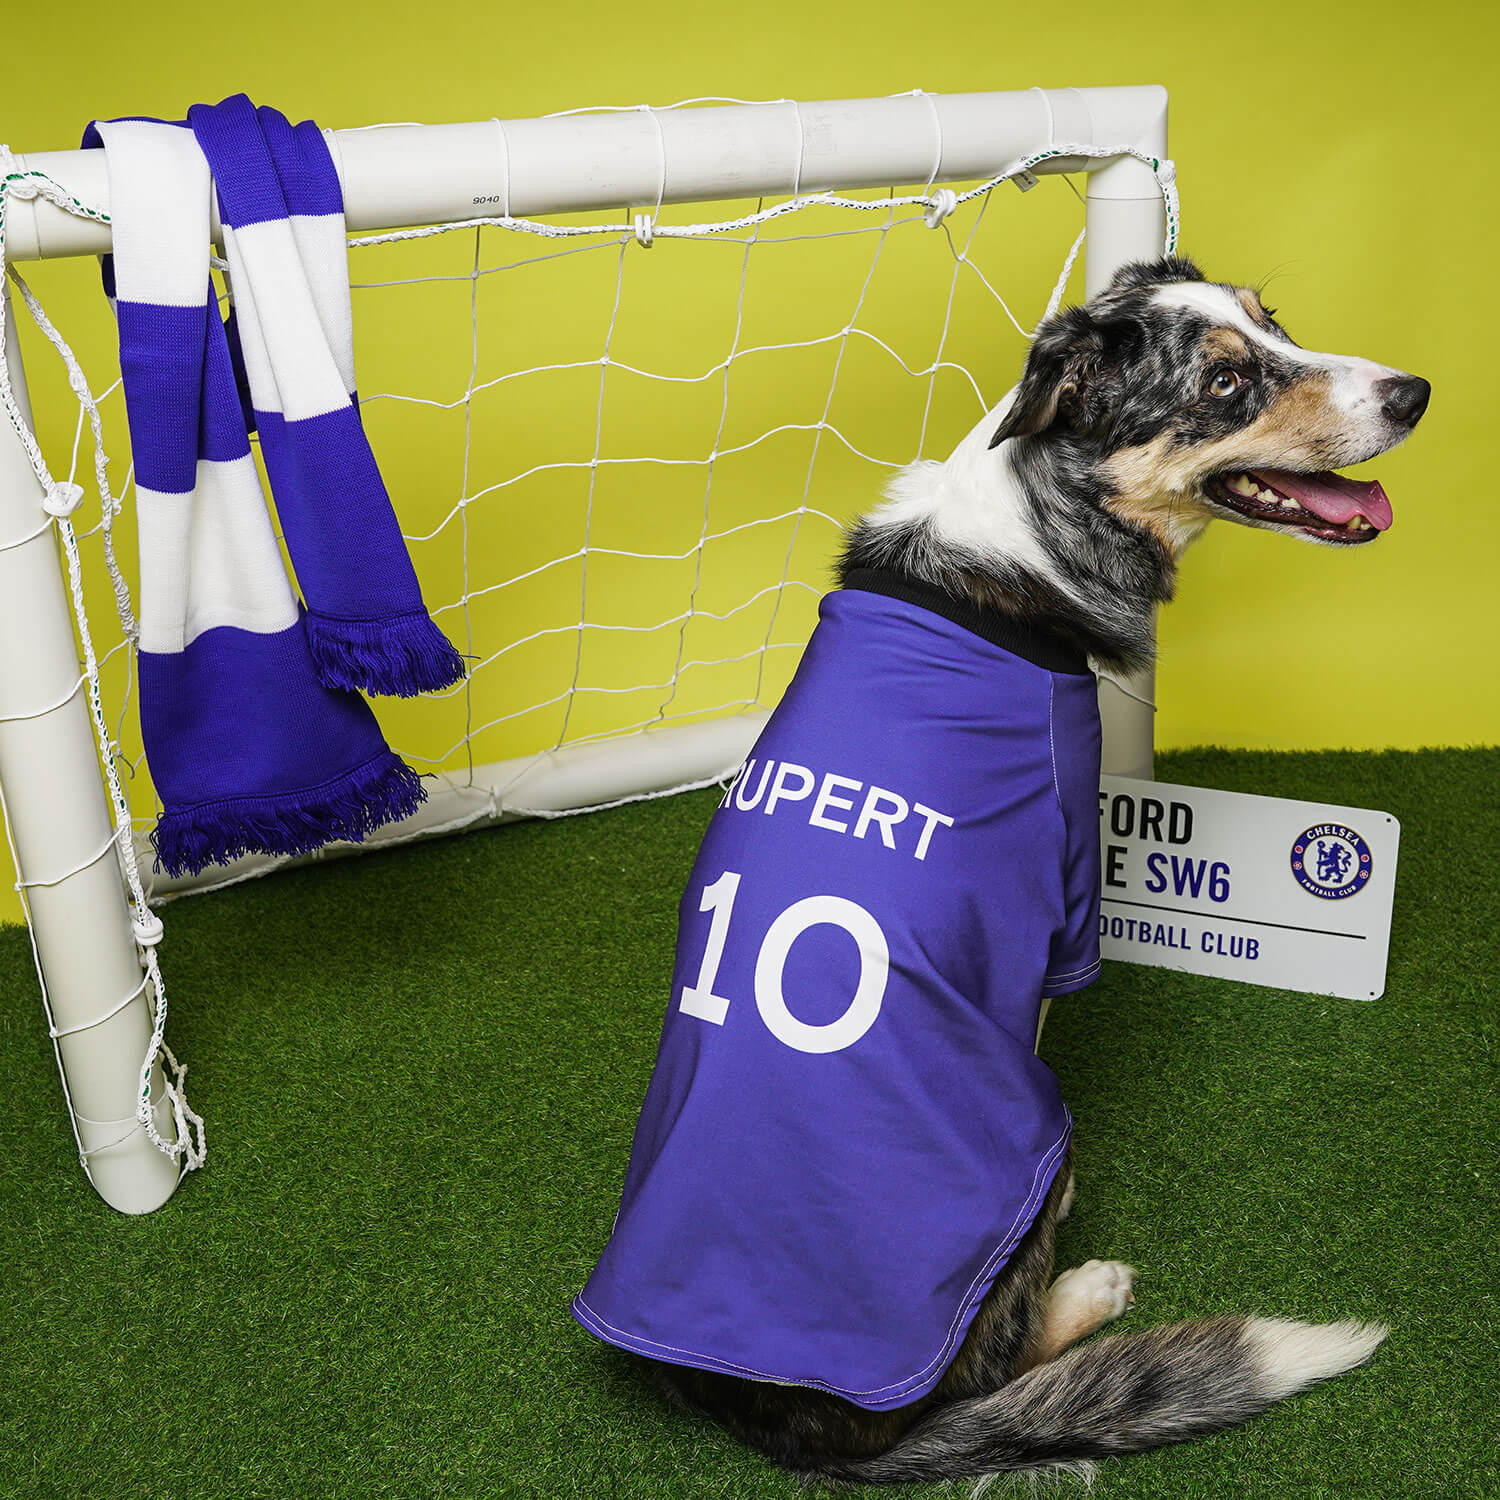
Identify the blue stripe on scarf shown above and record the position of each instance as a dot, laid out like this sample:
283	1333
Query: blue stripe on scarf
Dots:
366	616
255	185
182	406
221	424
308	178
161	364
241	379
251	751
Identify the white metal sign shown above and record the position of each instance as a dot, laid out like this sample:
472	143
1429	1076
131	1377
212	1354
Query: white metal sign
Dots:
1296	895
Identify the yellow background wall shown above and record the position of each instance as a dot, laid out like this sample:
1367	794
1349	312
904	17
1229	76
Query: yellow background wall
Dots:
1336	149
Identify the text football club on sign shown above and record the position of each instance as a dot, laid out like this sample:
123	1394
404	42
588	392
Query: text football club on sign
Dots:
1296	895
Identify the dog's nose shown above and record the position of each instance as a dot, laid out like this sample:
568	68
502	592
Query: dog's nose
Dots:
1403	398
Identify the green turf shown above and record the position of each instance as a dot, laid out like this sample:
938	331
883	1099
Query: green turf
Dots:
421	1070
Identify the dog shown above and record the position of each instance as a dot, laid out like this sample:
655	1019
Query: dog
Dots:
836	1234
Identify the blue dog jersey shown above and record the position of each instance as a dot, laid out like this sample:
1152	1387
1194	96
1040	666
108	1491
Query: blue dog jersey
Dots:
848	1130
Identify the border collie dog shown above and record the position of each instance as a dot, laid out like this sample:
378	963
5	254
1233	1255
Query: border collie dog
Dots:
836	1234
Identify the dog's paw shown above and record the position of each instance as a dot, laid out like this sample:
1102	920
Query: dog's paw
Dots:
1070	1193
1097	1291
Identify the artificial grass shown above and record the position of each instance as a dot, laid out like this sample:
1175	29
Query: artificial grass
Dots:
421	1070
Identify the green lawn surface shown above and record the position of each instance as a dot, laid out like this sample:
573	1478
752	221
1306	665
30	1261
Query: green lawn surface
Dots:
420	1072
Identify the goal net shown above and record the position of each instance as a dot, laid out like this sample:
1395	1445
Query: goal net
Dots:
622	444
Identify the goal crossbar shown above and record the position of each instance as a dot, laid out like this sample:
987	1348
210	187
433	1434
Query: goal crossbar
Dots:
400	176
91	946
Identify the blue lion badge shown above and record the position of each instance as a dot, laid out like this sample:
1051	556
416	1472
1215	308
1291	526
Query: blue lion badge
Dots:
1331	861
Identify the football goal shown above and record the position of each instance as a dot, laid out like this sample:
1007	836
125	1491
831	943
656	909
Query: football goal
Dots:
628	373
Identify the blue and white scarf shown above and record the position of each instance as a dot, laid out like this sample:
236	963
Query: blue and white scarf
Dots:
254	734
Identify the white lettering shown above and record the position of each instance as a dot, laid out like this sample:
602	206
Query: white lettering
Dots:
779	792
765	785
874	970
699	999
870	813
933	819
827	799
739	776
739	796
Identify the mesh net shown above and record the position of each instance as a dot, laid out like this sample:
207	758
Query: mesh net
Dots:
657	557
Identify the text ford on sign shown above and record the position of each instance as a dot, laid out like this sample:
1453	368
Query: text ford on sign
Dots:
1296	895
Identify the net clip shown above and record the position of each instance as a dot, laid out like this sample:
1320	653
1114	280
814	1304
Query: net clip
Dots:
645	231
944	201
146	926
18	184
63	499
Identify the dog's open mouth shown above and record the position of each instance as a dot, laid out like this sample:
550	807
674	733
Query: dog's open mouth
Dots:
1325	505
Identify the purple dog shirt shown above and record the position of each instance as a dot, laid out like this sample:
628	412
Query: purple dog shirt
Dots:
848	1130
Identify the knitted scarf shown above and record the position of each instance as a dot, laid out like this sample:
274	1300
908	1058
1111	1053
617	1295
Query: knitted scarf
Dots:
254	734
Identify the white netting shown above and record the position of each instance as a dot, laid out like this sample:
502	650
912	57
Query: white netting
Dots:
622	475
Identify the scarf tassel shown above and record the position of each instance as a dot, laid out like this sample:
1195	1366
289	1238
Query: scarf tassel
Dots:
399	656
380	791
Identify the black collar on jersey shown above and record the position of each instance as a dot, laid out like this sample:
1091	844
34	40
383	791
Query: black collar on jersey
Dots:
1043	648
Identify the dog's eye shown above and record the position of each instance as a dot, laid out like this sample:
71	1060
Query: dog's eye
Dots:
1226	383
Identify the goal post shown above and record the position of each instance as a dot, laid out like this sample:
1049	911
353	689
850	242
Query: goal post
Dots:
93	945
62	836
1123	217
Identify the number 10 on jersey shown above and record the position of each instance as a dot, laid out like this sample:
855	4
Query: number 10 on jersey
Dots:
699	1000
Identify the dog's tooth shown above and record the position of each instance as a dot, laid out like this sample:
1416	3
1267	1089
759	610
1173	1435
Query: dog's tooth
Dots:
1287	503
1243	484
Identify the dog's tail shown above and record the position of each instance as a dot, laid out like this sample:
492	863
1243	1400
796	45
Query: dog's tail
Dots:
1122	1394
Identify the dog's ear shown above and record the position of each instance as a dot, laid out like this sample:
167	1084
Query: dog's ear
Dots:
1067	379
1162	272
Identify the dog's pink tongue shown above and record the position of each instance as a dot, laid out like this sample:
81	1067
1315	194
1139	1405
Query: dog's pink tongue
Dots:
1331	496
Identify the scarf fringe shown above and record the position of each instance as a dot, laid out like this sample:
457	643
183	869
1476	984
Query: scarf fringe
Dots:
398	657
380	791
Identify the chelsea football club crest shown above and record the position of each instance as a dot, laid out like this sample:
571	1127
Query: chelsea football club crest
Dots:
1331	861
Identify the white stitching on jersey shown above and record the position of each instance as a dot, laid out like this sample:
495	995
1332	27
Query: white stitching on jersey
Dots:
1070	973
1052	750
1050	980
1073	981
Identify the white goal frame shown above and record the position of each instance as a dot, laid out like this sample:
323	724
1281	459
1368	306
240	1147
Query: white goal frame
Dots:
90	945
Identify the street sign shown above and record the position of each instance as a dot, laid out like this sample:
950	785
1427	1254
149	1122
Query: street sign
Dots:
1296	895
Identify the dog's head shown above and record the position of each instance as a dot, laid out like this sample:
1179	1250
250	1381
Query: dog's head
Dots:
1187	401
